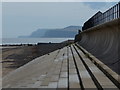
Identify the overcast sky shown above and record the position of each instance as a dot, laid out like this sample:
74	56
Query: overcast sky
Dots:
23	18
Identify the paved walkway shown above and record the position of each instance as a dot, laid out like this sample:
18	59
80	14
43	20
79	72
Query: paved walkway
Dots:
68	67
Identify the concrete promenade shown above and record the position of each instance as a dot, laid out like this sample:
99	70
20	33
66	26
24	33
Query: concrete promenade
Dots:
69	67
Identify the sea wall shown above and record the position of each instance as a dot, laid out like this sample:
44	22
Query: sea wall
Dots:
103	41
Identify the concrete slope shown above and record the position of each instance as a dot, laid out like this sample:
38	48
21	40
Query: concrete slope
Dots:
30	71
103	41
67	68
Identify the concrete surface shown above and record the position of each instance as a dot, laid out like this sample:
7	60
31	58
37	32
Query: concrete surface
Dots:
60	69
103	41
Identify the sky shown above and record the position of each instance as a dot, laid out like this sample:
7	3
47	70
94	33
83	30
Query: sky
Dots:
22	18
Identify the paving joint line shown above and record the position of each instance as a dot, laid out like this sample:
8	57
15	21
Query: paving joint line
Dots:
89	71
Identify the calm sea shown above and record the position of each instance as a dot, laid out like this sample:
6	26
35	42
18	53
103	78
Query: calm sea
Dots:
33	40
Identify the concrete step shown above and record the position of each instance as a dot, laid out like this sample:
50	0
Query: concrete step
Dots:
66	68
101	78
84	75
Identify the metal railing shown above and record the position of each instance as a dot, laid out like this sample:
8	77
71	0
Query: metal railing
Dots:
99	17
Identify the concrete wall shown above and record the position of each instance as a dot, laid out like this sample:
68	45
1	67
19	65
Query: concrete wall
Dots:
103	41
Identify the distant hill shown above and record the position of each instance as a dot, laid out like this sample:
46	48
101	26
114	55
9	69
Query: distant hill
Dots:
67	32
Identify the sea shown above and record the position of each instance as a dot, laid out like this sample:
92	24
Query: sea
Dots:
13	41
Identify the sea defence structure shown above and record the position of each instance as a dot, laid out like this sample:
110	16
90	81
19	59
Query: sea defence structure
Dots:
92	63
67	68
71	67
101	37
